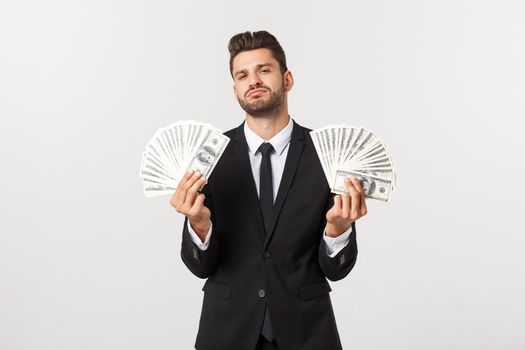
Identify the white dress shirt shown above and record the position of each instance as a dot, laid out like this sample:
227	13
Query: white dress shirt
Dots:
280	143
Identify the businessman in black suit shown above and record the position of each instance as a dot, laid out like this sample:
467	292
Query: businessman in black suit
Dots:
265	230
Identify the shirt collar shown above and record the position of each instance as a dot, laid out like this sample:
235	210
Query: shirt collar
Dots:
279	141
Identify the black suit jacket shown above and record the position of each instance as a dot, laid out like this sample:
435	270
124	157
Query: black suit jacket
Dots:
287	268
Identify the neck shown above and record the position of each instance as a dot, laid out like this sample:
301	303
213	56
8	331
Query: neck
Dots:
269	125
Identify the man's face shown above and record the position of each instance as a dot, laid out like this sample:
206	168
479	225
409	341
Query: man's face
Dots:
258	84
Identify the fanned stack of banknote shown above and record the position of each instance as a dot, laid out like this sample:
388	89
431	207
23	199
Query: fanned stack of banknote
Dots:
184	145
346	150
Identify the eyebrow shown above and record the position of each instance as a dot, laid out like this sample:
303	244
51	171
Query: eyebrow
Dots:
259	66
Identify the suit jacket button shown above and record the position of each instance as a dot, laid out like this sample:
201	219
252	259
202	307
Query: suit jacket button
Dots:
262	293
266	254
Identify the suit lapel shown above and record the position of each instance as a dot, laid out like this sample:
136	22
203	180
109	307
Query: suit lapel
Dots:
290	167
240	149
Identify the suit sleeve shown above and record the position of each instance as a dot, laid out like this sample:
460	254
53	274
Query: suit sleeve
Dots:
339	266
202	263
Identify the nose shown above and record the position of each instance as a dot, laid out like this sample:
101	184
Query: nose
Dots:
255	80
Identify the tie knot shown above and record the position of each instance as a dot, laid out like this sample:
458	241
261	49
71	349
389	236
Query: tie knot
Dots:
266	148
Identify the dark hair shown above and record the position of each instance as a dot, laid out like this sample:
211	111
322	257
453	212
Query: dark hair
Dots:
257	40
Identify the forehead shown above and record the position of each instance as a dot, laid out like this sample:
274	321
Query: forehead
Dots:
252	58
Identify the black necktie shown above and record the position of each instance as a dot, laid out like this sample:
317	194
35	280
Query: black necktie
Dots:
265	185
266	201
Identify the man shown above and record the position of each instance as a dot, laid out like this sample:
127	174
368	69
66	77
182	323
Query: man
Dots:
266	232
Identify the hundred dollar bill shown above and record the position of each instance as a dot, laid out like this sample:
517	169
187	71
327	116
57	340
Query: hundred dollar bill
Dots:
152	189
208	153
373	186
154	173
316	140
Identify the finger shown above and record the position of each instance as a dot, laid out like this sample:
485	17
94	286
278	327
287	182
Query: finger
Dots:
198	205
180	191
193	191
193	178
356	199
187	175
364	209
357	184
173	199
337	202
335	211
345	206
188	184
355	212
336	208
199	201
203	184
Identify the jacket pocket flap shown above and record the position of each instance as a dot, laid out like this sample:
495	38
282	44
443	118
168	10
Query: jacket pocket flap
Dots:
217	289
314	290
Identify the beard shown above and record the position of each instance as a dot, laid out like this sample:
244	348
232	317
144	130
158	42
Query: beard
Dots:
261	107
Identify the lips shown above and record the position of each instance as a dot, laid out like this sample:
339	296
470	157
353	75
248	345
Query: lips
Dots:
256	91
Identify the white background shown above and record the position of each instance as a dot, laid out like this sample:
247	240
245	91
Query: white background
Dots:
86	262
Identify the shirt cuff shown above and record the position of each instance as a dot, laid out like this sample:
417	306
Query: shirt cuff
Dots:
195	238
335	244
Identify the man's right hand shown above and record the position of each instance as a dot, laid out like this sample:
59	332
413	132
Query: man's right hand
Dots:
188	201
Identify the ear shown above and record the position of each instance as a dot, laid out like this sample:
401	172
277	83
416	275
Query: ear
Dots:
288	80
235	91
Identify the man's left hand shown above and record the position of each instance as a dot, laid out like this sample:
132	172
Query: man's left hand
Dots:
347	208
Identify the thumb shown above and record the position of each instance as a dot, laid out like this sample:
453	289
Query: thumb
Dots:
336	208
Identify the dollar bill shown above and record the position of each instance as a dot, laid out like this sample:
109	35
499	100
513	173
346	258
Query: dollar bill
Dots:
374	187
183	145
208	153
152	189
322	154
